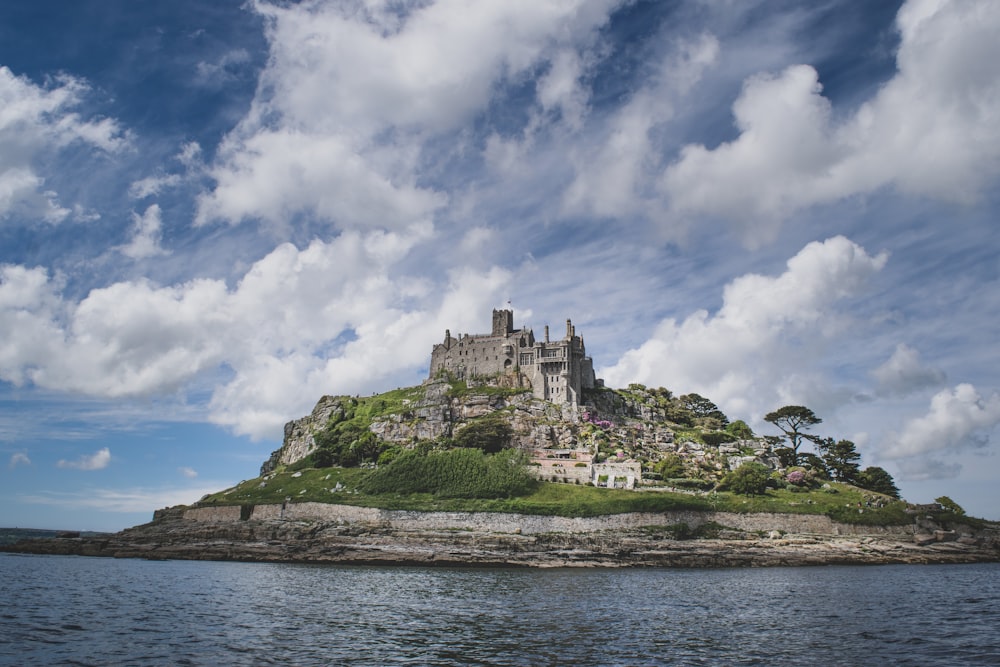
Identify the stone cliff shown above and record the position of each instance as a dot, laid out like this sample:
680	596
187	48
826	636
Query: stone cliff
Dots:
636	426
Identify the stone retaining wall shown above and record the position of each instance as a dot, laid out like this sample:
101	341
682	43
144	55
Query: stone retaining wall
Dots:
216	514
497	522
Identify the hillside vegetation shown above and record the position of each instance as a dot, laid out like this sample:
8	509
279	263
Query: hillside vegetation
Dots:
451	446
347	486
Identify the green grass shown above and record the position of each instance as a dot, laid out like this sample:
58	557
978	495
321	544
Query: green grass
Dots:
569	500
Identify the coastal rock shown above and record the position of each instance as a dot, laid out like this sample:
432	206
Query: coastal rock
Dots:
311	532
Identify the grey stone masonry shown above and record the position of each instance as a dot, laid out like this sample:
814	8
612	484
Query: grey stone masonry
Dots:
556	371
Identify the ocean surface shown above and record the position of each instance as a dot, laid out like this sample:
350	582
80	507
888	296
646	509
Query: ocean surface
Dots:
65	610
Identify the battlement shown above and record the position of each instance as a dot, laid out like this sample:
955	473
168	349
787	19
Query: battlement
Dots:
556	371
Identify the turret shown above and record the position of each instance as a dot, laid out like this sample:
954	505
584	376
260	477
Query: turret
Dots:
503	322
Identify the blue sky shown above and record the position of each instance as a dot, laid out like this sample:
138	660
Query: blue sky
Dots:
211	214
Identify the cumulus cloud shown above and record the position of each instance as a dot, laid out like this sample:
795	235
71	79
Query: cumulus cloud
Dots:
351	93
958	419
19	458
934	129
760	347
331	317
146	235
904	373
99	460
36	121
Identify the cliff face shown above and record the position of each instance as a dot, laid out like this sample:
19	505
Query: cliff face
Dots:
634	425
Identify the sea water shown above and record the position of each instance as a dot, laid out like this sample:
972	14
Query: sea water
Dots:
65	610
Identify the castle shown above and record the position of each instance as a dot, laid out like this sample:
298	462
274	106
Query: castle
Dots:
556	371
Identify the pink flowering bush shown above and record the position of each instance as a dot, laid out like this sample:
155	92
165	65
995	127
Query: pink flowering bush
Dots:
599	423
796	477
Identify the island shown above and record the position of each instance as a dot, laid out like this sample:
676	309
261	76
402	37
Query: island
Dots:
512	453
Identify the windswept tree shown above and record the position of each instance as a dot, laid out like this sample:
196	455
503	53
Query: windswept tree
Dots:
490	433
840	457
794	421
950	505
878	480
705	411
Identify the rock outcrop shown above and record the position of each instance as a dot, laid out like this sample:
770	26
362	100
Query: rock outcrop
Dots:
635	424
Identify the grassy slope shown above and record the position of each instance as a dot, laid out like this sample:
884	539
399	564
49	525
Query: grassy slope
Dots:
317	485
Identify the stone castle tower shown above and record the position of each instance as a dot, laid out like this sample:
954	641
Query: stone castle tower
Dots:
557	371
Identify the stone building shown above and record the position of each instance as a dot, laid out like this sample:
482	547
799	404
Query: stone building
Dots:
556	371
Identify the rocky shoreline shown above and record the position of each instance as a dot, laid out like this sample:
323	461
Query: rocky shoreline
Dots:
448	539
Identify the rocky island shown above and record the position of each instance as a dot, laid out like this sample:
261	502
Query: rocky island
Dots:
513	453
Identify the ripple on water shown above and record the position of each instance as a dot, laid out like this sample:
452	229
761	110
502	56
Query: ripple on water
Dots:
130	612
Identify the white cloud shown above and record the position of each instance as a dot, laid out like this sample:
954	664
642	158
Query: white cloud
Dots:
99	460
904	373
190	473
760	349
934	129
331	317
189	157
139	499
224	70
152	185
146	234
351	93
35	121
19	458
957	419
613	175
276	173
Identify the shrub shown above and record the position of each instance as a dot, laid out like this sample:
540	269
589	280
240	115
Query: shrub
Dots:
671	466
459	473
750	479
716	438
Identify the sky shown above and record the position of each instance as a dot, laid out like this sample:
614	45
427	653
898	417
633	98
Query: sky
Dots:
212	214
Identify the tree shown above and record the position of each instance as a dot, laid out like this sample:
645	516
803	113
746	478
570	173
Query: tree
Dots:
705	411
490	433
841	458
740	429
950	505
794	421
750	479
810	460
878	480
